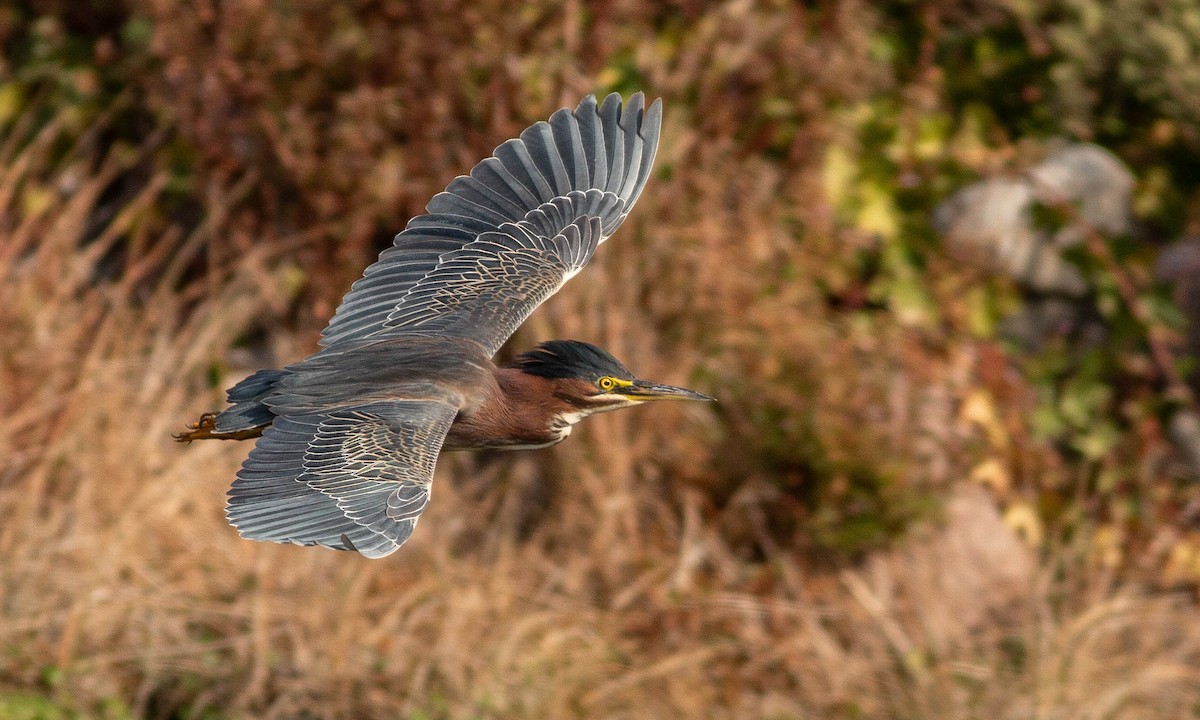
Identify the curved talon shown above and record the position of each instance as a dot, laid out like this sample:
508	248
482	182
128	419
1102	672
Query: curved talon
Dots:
206	429
202	429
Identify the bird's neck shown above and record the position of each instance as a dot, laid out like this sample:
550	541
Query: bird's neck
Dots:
521	411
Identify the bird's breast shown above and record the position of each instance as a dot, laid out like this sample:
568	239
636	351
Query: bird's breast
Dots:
481	431
513	412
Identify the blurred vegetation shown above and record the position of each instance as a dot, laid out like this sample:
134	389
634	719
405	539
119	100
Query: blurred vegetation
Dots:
187	188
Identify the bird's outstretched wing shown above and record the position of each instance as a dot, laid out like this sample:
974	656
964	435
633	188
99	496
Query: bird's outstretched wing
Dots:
349	478
500	241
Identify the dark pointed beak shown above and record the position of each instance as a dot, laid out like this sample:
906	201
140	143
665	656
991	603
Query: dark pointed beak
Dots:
646	390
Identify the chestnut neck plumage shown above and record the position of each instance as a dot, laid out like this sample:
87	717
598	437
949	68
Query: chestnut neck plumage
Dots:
518	411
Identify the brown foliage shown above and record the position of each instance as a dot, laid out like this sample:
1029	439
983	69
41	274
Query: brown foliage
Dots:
668	562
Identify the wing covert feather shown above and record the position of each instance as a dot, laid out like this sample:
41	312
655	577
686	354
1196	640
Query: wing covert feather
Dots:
359	473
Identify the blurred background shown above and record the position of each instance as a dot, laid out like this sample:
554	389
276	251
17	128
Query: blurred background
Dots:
932	256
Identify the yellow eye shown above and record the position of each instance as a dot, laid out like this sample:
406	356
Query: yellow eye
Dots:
607	383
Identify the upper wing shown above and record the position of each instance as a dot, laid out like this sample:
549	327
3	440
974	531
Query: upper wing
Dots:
498	242
354	477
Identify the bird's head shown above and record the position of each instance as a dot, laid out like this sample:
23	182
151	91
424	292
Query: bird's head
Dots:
590	379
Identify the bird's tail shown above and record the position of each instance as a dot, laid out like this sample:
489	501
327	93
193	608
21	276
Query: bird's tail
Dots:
248	417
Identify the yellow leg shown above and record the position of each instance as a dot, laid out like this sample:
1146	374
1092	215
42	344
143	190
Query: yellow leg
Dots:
205	429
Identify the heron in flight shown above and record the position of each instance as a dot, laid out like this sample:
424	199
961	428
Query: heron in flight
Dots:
349	436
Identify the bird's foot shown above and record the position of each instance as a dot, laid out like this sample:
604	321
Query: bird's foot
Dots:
202	429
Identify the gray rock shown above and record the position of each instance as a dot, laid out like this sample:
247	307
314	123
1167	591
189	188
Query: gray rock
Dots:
992	223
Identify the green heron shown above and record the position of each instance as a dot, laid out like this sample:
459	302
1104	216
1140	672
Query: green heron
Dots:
348	437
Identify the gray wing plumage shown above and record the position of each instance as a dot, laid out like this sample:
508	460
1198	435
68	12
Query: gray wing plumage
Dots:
349	478
498	242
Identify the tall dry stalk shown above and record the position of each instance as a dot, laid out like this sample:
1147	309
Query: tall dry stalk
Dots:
654	566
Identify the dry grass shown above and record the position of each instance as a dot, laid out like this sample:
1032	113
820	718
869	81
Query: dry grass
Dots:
660	564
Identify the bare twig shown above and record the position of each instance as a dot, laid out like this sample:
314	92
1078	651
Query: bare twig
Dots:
1160	350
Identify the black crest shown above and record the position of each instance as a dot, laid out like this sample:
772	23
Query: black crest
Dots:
570	359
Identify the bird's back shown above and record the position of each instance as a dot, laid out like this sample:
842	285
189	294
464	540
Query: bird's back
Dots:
415	367
410	366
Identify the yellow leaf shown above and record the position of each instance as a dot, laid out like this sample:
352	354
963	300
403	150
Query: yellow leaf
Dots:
1183	564
838	171
878	213
608	77
36	199
1106	546
1024	521
10	102
991	472
978	408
